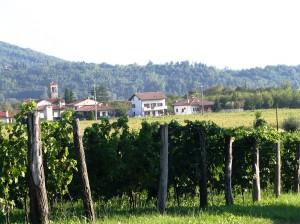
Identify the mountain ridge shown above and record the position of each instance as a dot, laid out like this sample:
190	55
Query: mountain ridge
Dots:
25	73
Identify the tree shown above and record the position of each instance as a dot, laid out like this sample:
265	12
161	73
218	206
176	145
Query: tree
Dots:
102	93
69	95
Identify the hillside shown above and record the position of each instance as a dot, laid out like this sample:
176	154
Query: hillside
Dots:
25	74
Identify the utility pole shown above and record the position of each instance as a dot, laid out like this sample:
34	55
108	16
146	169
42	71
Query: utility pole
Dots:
95	98
202	107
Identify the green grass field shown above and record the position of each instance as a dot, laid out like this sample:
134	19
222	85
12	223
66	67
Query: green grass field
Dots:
269	210
234	119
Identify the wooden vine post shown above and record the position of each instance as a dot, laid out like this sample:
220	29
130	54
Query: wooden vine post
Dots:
256	194
86	191
277	185
228	170
37	187
163	181
203	170
297	170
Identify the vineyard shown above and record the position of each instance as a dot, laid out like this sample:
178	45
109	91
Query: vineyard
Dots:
176	167
222	119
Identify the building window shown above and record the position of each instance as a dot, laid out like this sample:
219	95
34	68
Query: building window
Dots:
153	105
147	113
147	105
176	109
159	104
133	105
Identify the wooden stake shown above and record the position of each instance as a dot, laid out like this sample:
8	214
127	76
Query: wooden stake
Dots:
256	195
228	170
163	181
203	176
37	187
86	191
277	185
297	170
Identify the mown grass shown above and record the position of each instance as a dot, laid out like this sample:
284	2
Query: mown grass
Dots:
234	119
269	210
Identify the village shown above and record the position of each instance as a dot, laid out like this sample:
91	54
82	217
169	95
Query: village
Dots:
141	104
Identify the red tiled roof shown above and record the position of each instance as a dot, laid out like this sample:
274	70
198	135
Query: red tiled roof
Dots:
92	108
193	101
149	96
56	107
3	114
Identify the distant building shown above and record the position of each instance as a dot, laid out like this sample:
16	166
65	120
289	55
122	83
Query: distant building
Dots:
148	104
51	109
192	105
86	108
5	117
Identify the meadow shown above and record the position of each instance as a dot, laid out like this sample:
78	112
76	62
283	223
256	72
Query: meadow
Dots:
116	211
222	119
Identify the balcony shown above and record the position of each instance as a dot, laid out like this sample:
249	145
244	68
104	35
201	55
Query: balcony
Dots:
155	108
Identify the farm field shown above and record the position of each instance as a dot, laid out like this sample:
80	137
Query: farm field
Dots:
269	210
233	119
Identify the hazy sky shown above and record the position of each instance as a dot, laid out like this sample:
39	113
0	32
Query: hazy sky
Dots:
223	33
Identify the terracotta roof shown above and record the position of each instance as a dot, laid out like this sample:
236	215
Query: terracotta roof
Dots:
92	108
3	114
149	96
56	107
193	101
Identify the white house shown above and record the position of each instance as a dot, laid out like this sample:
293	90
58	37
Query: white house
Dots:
5	117
148	104
51	109
192	105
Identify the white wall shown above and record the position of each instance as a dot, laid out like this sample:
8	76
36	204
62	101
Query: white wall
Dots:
140	108
137	110
86	102
43	103
49	113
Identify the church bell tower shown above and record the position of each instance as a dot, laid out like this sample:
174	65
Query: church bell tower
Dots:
53	90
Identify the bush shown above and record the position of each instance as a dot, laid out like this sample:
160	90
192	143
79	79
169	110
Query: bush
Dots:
291	124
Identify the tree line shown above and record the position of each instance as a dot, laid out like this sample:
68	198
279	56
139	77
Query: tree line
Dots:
25	74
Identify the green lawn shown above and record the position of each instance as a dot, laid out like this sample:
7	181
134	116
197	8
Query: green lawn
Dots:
286	209
235	119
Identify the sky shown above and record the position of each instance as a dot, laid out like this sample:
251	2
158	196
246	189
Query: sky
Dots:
234	34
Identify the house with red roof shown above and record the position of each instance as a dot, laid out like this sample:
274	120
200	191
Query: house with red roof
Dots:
192	105
5	117
148	104
86	108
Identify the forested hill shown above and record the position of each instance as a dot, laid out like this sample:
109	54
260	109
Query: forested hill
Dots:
25	74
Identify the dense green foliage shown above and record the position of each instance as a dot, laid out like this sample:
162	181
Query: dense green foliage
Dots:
59	167
25	74
285	96
124	163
